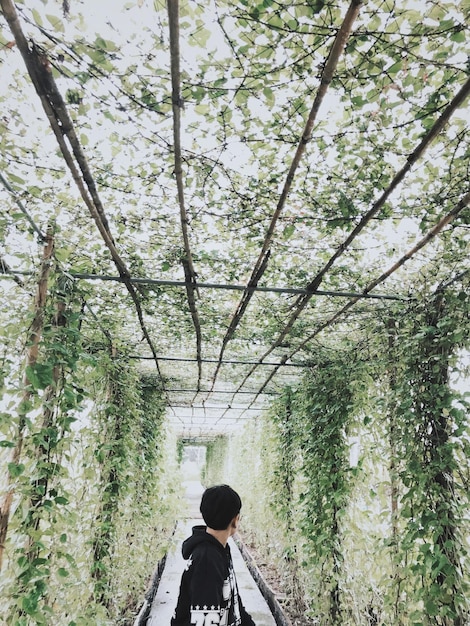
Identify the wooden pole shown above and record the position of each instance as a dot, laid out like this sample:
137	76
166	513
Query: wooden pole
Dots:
31	358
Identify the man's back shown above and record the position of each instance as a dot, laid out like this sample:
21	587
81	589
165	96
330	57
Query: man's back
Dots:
208	592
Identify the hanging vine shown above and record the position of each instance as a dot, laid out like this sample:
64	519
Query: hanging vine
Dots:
216	457
325	408
382	532
115	424
70	513
15	467
43	495
429	437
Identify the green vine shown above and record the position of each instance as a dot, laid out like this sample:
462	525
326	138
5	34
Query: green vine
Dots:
382	531
115	423
216	457
82	464
324	411
430	427
42	476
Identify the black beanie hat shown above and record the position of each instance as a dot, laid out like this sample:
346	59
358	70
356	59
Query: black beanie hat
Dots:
219	505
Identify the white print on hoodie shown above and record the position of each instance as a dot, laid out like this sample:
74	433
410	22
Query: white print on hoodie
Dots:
205	616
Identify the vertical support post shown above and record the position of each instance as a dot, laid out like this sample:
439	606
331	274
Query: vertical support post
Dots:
31	358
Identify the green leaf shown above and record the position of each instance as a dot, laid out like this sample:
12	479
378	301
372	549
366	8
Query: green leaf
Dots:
431	607
458	37
275	21
198	94
288	231
56	23
22	561
202	109
7	444
108	115
358	101
396	67
346	206
16	179
267	53
105	44
15	469
62	572
303	10
200	37
40	375
35	191
37	17
83	77
269	95
317	5
63	253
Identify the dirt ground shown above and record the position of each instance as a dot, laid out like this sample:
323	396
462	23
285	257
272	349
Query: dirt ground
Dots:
274	579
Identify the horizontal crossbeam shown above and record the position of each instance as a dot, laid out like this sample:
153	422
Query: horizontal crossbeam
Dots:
225	362
228	407
182	283
218	391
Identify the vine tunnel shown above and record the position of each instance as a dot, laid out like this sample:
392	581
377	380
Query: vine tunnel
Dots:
241	226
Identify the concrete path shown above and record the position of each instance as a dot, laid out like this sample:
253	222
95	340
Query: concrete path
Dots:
167	594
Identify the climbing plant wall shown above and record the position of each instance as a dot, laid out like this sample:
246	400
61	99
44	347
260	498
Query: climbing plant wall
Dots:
429	431
357	480
93	480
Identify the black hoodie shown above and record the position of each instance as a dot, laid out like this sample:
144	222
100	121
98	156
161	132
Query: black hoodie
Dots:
208	592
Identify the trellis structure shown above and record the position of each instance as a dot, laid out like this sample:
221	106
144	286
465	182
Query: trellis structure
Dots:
63	69
219	191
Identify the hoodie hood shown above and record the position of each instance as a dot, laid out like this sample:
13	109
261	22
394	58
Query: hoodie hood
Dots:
199	536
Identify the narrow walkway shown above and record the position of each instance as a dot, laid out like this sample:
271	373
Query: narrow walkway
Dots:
167	594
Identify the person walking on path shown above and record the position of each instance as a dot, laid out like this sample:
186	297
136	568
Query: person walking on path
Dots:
208	593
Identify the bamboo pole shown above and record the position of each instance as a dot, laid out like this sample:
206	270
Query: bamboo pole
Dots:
35	334
54	106
49	408
177	104
430	235
332	60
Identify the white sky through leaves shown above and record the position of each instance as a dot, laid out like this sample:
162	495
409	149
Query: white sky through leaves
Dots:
249	76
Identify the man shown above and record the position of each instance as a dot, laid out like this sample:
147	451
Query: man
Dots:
208	592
